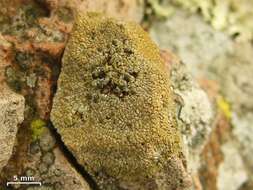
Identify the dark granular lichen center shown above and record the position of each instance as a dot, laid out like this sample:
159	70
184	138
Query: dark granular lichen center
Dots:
116	74
110	81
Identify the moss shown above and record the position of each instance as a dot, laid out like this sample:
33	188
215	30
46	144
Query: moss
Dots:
114	108
37	128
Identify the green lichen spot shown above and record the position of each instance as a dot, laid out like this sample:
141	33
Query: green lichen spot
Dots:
114	108
37	128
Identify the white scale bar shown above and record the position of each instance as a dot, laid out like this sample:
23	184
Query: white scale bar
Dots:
24	183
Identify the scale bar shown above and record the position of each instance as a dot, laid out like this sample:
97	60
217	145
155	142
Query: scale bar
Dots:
24	183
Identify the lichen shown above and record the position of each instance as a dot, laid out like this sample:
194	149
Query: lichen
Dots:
159	10
26	17
65	14
228	15
30	23
225	107
14	78
37	128
25	70
114	107
31	80
23	60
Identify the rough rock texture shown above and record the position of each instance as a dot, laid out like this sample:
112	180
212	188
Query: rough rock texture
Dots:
31	44
230	16
114	108
11	115
212	156
48	164
131	10
32	39
238	83
217	140
195	112
208	54
187	35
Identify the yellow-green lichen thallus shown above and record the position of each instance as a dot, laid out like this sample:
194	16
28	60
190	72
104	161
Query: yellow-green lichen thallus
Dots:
114	108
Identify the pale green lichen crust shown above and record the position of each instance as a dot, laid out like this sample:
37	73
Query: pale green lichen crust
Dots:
232	16
114	108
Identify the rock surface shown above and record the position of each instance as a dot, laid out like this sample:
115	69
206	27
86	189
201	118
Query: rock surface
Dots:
48	164
195	112
217	140
187	35
32	38
114	108
232	172
131	10
11	115
232	17
208	54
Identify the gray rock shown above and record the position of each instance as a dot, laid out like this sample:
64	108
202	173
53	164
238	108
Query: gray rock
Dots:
243	131
195	115
11	115
237	87
193	40
213	55
232	172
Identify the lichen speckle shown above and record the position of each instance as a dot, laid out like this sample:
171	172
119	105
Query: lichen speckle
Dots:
114	108
37	128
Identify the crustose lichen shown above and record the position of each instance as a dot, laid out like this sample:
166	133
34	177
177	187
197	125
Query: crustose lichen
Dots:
114	108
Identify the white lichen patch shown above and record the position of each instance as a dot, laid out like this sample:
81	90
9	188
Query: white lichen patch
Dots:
195	116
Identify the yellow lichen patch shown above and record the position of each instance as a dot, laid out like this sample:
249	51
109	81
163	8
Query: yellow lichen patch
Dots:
37	128
224	106
114	108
